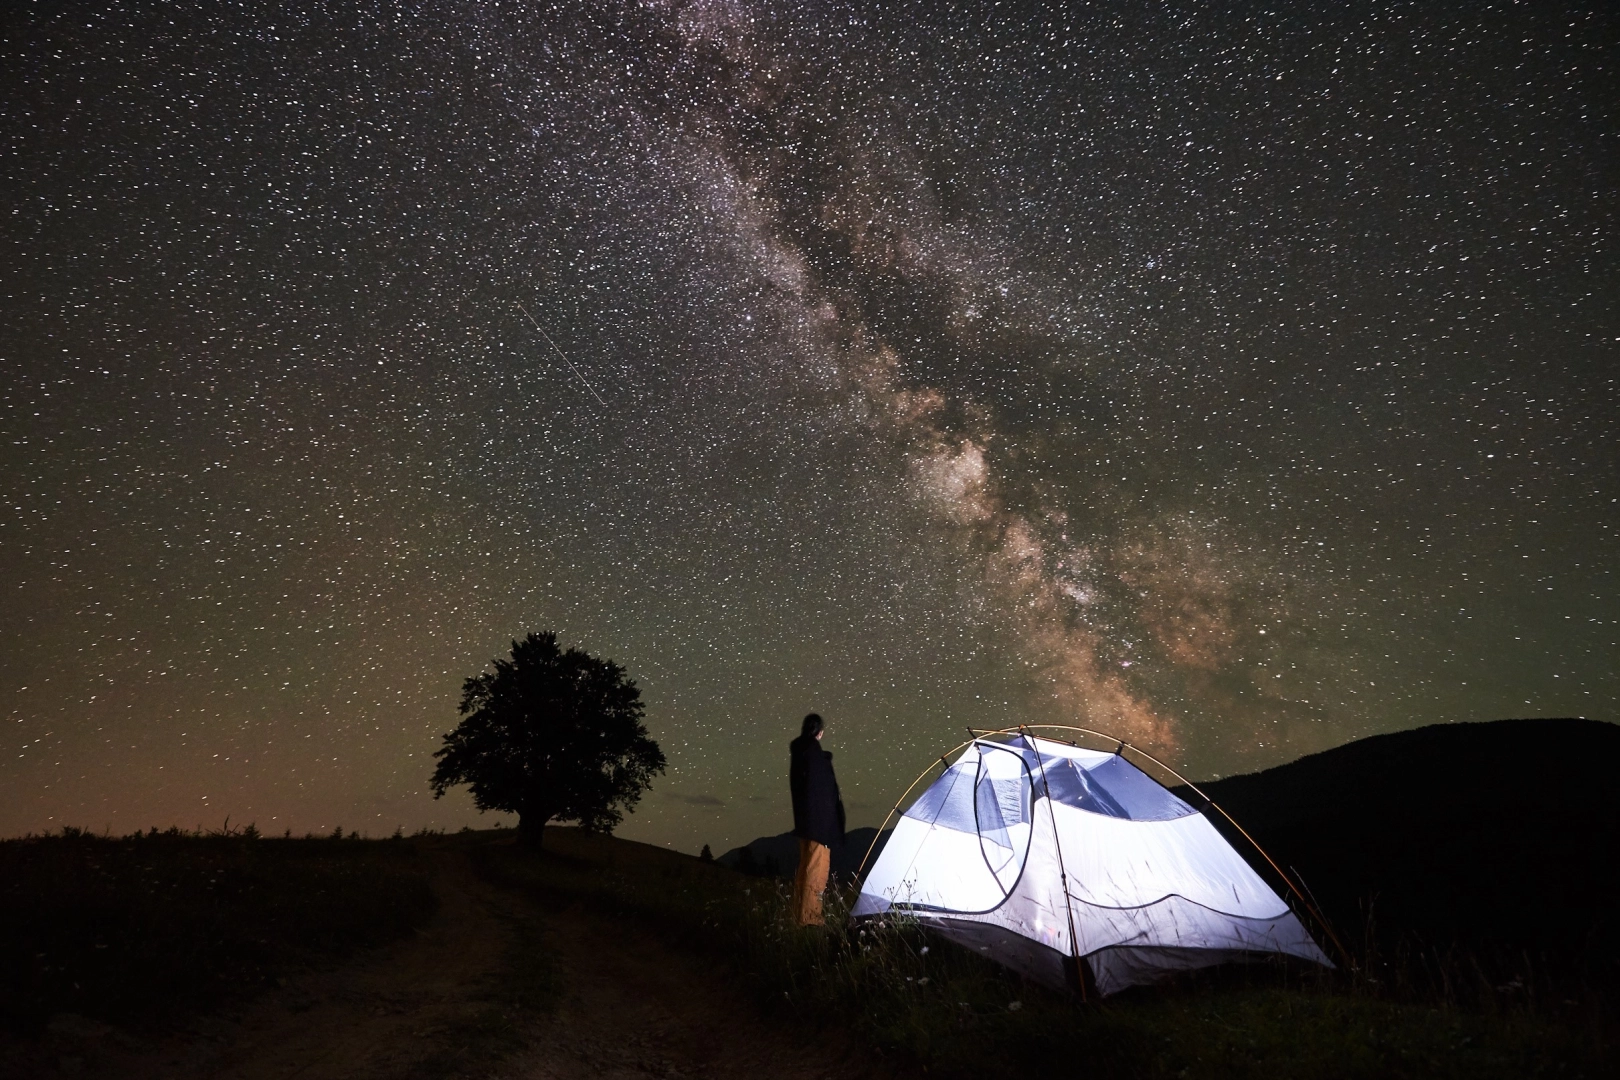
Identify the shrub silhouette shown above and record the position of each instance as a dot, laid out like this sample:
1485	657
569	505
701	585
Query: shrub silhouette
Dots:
550	735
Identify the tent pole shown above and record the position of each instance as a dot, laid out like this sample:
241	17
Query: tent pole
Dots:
901	800
1321	919
978	826
1063	873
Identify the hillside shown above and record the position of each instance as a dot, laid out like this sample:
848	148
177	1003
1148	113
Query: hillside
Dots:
1498	836
778	856
603	957
504	971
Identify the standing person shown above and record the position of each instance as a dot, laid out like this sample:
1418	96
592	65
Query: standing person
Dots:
818	818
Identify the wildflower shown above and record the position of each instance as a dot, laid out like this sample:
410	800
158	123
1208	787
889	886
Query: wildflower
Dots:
923	951
1014	1006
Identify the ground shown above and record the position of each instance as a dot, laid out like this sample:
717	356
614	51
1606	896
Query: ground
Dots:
462	998
601	957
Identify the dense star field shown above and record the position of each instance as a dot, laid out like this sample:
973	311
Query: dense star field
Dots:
1241	380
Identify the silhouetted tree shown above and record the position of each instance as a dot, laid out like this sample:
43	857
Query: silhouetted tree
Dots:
706	855
550	735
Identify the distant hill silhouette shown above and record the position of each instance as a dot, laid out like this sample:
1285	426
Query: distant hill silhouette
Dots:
778	856
1500	836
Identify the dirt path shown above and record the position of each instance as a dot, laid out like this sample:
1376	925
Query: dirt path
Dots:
435	1006
635	1008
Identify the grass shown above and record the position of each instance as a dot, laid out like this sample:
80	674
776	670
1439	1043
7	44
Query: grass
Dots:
910	995
139	928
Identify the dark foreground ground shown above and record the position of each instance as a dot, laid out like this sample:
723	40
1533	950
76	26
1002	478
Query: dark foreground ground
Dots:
481	979
601	957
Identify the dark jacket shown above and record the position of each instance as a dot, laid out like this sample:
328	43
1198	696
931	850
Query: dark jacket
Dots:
818	812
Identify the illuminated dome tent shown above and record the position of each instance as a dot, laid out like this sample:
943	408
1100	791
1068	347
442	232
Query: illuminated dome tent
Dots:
983	855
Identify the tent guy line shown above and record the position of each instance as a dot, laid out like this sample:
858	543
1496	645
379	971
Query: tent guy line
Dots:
572	366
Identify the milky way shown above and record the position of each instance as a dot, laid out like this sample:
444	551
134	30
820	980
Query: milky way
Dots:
1241	382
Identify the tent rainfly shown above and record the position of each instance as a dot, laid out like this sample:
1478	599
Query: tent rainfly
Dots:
1039	855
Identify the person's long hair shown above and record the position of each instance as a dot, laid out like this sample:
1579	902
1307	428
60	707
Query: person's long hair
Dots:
812	726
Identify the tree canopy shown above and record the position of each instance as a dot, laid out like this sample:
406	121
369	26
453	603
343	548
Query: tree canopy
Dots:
550	735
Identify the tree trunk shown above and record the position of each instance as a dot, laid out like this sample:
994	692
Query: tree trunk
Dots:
531	829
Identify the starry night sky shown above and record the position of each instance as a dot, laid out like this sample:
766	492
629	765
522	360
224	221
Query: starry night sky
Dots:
1239	378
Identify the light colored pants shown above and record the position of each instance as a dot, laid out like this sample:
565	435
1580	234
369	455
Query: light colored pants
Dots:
814	861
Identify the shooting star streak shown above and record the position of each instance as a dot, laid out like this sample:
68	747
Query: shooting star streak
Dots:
577	373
